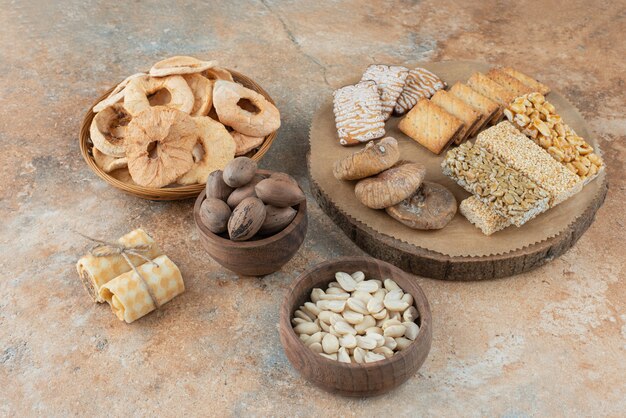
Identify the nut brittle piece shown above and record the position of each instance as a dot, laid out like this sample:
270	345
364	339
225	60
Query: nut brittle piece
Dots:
520	153
537	118
508	192
358	113
482	216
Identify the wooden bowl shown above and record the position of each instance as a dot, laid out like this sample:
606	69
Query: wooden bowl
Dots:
352	379
169	192
256	257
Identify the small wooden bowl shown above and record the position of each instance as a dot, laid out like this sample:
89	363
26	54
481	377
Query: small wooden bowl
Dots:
352	379
257	257
170	192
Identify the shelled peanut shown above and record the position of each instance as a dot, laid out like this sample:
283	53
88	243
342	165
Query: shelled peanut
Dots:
357	320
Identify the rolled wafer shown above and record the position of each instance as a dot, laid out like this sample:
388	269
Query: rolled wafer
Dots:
97	271
131	296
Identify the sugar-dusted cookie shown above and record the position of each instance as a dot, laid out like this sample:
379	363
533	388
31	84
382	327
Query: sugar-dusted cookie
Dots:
508	82
529	81
482	104
458	108
419	83
390	80
358	113
431	126
487	87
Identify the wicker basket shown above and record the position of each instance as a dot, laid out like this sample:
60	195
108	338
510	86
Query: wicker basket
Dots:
170	192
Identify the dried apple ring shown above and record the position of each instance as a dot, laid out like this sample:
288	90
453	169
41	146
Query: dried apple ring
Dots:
244	143
159	146
202	89
108	130
244	110
217	150
117	94
218	73
137	92
180	65
108	163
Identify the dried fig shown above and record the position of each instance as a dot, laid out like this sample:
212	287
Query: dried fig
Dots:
216	186
239	171
432	206
371	160
214	214
247	219
279	193
391	186
277	219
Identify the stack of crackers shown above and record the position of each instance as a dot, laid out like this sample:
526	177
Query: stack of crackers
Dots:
460	113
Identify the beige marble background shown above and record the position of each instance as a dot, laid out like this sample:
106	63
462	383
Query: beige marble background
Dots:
551	342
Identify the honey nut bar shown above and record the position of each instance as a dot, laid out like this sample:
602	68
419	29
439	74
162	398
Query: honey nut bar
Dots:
523	155
537	119
508	192
482	216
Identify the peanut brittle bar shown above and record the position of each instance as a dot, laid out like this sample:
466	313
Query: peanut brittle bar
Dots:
537	118
508	192
523	155
482	216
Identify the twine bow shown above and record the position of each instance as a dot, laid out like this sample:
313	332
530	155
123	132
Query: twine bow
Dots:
105	249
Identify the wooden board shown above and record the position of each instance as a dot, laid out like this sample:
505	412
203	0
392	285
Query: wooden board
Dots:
425	262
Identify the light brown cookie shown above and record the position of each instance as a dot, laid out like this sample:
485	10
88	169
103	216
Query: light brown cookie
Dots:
482	104
458	108
390	80
494	91
431	126
529	81
508	82
358	113
419	83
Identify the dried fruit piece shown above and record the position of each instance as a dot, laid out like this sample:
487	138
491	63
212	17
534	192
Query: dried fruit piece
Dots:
108	163
391	186
217	150
245	143
431	207
108	130
371	160
180	65
202	90
137	92
159	146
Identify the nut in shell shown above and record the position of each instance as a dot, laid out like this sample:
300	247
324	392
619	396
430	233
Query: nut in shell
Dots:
244	191
239	171
247	219
216	186
279	193
277	219
214	214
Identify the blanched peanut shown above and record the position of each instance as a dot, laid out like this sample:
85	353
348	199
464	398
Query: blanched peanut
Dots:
371	357
368	321
329	356
412	329
395	331
343	356
316	347
359	355
347	341
410	315
390	285
362	296
369	286
315	294
308	328
396	305
358	276
366	343
385	351
346	281
403	343
343	328
330	344
374	305
352	317
381	315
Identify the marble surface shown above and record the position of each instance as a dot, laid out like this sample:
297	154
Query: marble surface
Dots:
551	342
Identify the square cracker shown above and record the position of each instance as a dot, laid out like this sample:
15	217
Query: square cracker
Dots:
458	108
529	81
430	125
487	87
509	82
482	104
